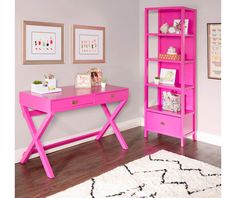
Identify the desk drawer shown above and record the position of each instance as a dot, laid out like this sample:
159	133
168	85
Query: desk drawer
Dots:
72	103
111	97
163	124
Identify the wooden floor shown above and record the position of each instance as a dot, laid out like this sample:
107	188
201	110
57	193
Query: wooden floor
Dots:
79	163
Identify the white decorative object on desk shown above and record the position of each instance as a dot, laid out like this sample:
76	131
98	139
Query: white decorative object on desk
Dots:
37	85
48	87
51	83
45	90
103	84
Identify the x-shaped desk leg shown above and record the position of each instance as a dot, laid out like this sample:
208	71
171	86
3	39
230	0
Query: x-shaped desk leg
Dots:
111	123
36	135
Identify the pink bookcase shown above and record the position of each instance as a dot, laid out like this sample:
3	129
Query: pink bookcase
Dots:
176	124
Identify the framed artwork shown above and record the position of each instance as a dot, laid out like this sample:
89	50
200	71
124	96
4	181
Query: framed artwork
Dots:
177	25
214	50
83	81
88	44
167	76
43	43
96	76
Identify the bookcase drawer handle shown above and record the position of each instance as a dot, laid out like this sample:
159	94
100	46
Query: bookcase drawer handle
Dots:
163	123
74	102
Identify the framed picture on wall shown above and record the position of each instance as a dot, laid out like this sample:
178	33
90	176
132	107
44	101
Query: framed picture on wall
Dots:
88	44
214	50
43	43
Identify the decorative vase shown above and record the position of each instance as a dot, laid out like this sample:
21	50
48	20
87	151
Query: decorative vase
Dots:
103	84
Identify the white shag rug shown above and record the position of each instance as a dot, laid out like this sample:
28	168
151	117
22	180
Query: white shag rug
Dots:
160	175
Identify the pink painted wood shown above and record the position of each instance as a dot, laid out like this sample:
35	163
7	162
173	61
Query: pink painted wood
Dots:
146	73
157	120
36	141
69	99
61	143
111	123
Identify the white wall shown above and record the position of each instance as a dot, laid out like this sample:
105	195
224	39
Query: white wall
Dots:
208	91
121	68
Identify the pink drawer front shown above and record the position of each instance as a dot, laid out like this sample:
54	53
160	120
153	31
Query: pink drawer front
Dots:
72	103
111	97
163	124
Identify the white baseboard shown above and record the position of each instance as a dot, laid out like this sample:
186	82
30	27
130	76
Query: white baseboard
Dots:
201	136
208	138
122	126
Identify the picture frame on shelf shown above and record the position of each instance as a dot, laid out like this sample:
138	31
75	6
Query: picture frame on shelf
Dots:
214	50
88	44
83	80
96	76
177	26
167	76
43	43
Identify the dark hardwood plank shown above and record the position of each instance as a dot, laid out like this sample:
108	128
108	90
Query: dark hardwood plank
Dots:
81	162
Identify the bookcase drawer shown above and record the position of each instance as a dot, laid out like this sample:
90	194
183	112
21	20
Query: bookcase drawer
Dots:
72	103
111	97
163	124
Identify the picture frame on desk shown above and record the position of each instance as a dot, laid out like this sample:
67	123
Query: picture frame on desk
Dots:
96	76
214	50
83	81
43	43
88	44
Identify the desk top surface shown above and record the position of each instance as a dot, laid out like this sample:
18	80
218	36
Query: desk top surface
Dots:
71	91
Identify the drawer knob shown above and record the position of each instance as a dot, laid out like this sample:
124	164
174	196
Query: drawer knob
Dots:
163	123
113	95
74	102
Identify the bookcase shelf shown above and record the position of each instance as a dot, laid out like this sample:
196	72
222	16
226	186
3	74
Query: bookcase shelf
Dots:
169	9
169	61
171	87
158	109
175	35
169	35
175	124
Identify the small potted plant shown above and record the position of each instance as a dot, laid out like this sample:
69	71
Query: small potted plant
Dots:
103	83
156	80
37	85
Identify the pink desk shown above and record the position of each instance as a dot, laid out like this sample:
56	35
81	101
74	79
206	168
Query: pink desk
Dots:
33	104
